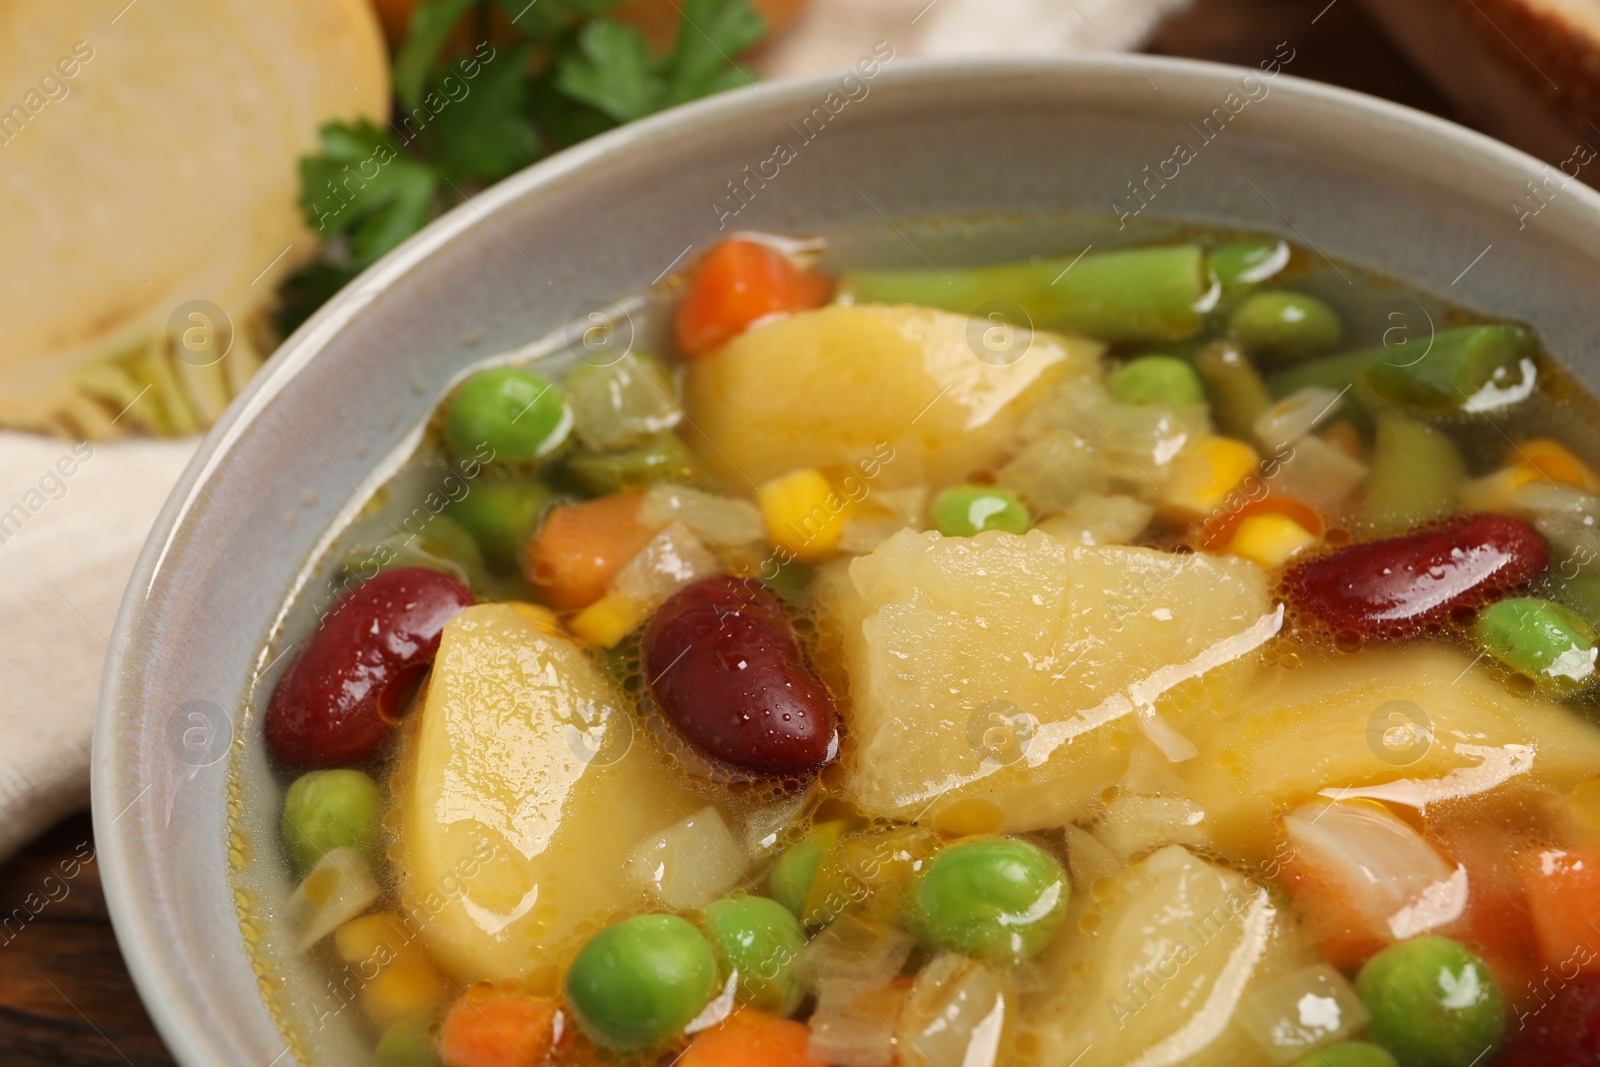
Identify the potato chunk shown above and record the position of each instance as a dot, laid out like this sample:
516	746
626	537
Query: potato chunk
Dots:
837	386
523	792
1015	669
1174	953
1416	727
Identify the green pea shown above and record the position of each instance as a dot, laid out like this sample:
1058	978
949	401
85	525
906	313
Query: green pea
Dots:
1348	1054
1549	643
406	1044
500	516
1163	380
760	939
1433	1003
995	898
325	810
663	459
640	981
972	509
1284	325
1238	268
791	876
519	415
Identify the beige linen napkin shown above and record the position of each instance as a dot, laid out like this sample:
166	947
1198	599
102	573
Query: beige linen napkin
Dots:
73	518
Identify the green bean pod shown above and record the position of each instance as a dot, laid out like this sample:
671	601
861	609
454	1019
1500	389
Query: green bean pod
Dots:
1415	476
1238	395
1135	294
1334	372
1239	268
1469	369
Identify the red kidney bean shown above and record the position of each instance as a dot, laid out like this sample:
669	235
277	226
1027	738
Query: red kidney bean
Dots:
339	698
1398	586
726	668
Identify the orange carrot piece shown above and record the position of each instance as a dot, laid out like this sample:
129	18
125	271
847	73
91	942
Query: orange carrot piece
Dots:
500	1030
751	1038
580	547
1564	898
739	283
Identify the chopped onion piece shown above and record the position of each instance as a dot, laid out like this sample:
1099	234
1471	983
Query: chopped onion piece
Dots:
909	503
956	1015
764	829
1053	470
1309	1009
690	863
1101	519
862	952
1295	416
621	403
1134	825
716	520
339	888
674	558
1318	474
860	536
851	1027
1366	877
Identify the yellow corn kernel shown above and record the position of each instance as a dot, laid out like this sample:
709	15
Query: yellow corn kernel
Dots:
607	621
1544	458
1203	476
804	513
1493	491
1269	539
407	988
1541	461
538	614
380	934
397	980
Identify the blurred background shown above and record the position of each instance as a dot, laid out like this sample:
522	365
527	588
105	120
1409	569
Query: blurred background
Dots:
255	155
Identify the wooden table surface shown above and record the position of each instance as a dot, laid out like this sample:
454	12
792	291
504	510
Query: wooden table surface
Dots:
65	997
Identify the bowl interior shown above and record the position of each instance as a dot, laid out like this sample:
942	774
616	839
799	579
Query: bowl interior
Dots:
1133	144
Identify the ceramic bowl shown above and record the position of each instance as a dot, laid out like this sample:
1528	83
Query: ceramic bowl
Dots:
1367	183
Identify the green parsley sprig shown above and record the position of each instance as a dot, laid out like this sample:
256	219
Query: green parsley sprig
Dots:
544	74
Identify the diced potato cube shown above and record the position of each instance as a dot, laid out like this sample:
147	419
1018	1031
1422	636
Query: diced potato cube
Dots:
522	790
1063	644
1415	726
690	863
899	389
1161	968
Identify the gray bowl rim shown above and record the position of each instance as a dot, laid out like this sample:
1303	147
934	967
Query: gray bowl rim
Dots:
153	967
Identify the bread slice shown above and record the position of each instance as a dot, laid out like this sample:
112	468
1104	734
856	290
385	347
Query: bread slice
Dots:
1526	71
148	159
